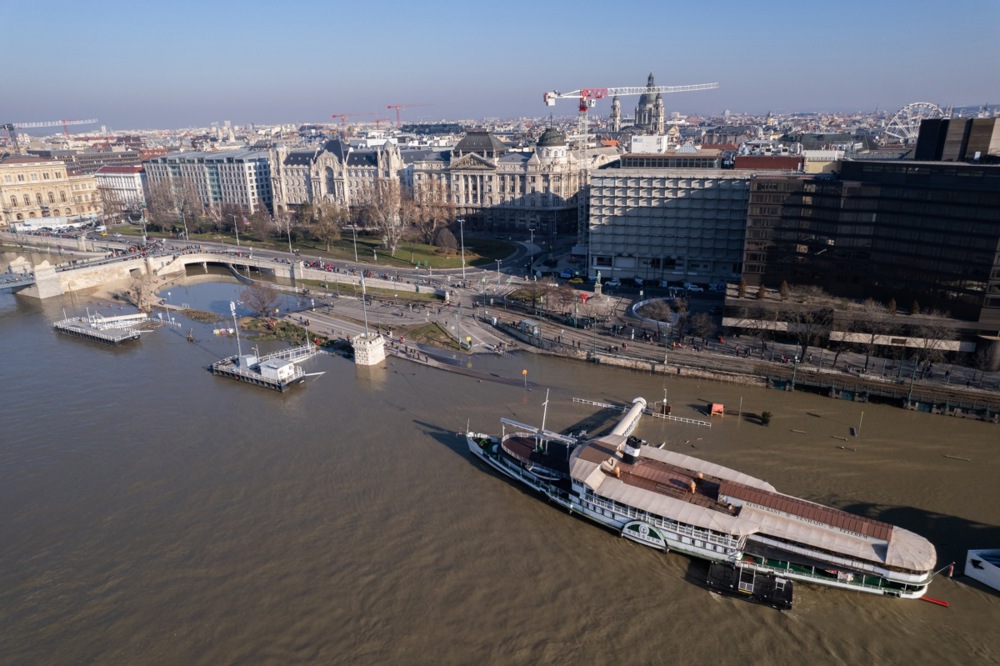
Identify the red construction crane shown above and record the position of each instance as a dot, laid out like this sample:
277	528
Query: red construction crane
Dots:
378	122
11	128
343	121
403	106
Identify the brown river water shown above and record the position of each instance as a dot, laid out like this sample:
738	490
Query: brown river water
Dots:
155	514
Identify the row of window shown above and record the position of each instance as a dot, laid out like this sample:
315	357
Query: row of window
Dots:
57	175
38	198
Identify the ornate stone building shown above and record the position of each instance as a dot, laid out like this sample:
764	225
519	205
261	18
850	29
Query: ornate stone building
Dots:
332	173
496	189
33	187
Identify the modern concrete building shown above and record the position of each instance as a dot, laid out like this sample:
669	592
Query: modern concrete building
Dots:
668	217
925	232
237	177
33	187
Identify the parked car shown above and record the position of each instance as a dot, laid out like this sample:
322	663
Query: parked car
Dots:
613	282
692	287
566	274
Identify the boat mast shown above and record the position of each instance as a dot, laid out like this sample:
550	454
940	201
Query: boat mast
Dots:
545	411
236	327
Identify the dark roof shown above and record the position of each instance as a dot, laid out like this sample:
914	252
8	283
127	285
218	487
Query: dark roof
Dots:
362	158
425	155
480	141
336	146
300	157
552	137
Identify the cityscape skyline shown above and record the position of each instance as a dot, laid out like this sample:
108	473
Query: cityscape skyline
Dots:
144	66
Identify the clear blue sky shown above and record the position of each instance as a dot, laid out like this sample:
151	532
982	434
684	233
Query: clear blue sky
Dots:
178	63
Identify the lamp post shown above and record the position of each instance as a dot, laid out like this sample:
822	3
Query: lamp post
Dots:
499	261
461	230
236	227
354	230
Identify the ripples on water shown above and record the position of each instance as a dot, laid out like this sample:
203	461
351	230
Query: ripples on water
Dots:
156	514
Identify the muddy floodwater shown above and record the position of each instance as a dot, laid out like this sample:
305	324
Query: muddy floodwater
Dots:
155	514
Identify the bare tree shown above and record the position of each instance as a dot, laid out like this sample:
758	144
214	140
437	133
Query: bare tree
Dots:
260	297
934	331
434	208
328	217
809	315
140	292
539	290
381	208
112	204
564	296
702	325
874	322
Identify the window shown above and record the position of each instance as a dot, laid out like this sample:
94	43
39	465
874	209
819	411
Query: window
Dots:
62	196
52	197
27	200
13	201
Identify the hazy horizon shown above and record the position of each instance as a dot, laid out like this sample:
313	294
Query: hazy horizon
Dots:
186	64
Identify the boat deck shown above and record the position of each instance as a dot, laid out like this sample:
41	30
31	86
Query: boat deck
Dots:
524	449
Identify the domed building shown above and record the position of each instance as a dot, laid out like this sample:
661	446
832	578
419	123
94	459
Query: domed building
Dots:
649	114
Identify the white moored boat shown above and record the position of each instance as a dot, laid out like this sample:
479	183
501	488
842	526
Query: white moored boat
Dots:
672	501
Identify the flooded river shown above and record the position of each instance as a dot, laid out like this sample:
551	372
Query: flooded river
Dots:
155	514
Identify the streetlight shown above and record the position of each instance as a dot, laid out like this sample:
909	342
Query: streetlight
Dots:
461	229
499	261
354	230
236	226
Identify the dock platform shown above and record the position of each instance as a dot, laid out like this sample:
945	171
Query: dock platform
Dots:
279	375
87	329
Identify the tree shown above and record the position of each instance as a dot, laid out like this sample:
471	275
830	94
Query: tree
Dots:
874	322
112	204
762	321
933	332
761	293
915	308
260	297
564	296
702	325
538	290
742	293
140	293
446	241
783	290
434	208
381	208
327	220
892	306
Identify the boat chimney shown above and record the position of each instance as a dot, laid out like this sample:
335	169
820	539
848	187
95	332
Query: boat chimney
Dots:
631	450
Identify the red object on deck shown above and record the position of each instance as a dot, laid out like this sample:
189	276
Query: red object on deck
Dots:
935	601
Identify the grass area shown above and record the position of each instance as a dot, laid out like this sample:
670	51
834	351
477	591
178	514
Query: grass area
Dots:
426	296
431	334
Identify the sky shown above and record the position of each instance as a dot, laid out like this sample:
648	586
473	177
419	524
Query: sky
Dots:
182	63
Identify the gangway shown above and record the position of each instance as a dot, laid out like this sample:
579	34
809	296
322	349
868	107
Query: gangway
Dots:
655	415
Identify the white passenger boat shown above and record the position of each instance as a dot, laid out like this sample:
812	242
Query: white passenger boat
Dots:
670	501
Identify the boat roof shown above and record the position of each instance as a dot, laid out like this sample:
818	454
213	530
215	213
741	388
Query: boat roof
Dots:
660	482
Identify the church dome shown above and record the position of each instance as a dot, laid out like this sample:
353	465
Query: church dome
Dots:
551	137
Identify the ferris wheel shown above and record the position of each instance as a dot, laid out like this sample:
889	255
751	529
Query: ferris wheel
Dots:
905	125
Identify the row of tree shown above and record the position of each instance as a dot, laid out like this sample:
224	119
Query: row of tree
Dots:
385	208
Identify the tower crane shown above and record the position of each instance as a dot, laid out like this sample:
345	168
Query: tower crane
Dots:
11	128
343	121
587	99
402	106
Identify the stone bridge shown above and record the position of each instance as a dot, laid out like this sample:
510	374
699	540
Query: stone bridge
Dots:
51	281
